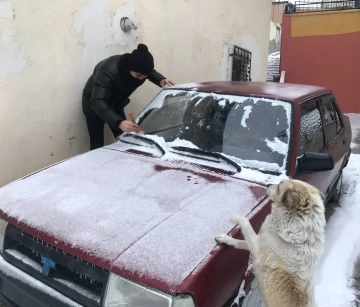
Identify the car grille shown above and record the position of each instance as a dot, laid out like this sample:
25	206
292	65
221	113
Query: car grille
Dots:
73	277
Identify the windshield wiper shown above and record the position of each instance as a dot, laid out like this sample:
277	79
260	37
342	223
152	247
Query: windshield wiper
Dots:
209	154
146	140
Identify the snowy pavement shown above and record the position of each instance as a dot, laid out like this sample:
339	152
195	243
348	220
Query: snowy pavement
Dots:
356	280
337	276
334	274
355	124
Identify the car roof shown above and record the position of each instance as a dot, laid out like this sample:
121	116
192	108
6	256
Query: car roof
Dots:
296	93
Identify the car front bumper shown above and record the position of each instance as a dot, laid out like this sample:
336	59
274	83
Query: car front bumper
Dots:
25	291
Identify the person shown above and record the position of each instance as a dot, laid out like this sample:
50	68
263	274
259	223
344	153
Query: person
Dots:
107	92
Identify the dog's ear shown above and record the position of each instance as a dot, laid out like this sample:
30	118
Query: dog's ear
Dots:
316	191
291	198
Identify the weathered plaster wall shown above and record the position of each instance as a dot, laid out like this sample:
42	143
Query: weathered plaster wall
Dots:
6	9
48	50
275	37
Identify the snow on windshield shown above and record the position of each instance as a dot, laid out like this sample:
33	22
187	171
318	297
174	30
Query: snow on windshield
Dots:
252	131
184	143
278	146
246	115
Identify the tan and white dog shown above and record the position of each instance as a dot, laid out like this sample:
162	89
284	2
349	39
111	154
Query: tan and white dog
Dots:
288	246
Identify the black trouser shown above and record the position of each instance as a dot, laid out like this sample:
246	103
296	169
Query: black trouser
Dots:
95	126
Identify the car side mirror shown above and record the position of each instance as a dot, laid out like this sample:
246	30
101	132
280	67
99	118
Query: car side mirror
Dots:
311	162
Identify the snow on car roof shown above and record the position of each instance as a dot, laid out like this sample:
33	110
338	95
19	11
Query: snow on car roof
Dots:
271	90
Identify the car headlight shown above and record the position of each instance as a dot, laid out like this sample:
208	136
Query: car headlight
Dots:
3	226
125	293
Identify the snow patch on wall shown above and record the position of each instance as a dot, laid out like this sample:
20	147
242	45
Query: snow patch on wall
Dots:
101	31
11	54
247	42
6	10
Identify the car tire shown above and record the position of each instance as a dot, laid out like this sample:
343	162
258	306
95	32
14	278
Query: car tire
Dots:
251	299
335	198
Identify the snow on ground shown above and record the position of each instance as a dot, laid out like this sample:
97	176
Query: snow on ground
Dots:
355	124
334	278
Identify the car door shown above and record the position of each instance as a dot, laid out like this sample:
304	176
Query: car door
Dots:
336	142
312	139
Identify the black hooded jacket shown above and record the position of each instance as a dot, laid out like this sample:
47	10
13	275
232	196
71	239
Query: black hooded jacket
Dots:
108	89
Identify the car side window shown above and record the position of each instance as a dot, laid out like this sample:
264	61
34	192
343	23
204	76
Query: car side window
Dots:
311	129
333	124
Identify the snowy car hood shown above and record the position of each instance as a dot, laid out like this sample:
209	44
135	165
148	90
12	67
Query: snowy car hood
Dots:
139	216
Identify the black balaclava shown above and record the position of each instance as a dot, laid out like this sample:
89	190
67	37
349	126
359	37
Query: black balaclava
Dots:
141	61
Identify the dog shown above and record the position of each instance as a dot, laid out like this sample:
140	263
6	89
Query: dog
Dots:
288	246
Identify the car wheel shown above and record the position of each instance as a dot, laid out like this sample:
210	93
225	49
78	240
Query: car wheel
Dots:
251	299
335	198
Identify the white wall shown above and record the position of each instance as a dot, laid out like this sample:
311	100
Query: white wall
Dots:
275	37
48	50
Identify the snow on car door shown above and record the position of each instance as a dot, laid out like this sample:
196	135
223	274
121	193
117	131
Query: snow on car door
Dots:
335	135
312	139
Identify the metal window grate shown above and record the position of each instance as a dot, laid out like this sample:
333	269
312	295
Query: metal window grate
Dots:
311	6
241	67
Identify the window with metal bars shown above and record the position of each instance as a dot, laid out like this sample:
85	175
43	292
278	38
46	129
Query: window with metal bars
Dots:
241	68
305	6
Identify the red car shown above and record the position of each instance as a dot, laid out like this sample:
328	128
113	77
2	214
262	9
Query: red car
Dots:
133	224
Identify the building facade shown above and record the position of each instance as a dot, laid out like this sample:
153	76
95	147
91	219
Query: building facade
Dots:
321	46
49	50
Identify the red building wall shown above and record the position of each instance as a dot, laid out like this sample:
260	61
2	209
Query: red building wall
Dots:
324	49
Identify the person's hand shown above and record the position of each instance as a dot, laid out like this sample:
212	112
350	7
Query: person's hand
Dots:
129	126
166	82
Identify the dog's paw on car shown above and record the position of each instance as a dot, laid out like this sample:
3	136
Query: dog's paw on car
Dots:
222	238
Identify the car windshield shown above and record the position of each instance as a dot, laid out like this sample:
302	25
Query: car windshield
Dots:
254	132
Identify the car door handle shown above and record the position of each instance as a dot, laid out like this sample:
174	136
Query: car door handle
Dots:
344	140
